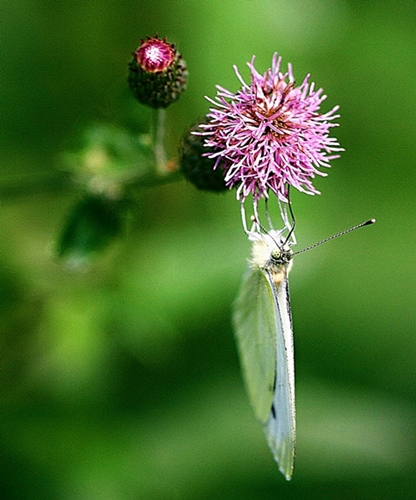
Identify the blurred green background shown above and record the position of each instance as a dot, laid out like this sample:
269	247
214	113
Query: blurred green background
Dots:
122	382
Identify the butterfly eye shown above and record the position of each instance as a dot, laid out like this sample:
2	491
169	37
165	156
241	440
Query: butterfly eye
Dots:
276	255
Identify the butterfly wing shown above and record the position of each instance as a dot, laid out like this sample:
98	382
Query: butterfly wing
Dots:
255	319
280	428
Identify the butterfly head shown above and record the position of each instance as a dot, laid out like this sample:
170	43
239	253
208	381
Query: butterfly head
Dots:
271	251
279	262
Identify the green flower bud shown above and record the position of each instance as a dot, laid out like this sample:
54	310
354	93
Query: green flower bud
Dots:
157	73
199	169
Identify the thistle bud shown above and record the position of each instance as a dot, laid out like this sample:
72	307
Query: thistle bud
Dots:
157	73
197	168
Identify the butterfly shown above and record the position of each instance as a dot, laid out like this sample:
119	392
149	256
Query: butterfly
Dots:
263	325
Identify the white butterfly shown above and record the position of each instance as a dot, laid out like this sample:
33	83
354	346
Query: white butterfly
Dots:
263	326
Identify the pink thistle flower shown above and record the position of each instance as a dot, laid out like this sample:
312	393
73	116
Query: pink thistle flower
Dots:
270	134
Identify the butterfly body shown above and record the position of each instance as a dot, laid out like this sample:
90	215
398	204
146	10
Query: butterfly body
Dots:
263	325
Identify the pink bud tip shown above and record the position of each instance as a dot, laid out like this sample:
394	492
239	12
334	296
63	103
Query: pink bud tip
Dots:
155	55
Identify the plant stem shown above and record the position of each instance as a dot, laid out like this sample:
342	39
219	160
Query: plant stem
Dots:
34	184
158	140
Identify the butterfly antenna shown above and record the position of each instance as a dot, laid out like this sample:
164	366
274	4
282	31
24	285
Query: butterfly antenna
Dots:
292	215
366	223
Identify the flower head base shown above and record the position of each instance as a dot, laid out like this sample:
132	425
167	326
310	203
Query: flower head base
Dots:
269	135
198	168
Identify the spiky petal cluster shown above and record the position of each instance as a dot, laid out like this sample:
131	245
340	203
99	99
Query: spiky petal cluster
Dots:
270	135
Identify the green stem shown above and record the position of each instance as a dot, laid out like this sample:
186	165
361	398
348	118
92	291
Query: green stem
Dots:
34	184
151	180
158	140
